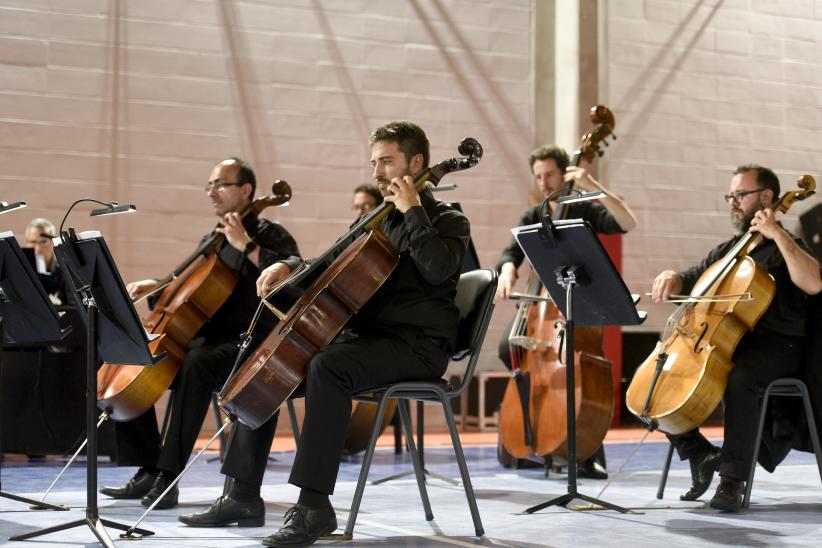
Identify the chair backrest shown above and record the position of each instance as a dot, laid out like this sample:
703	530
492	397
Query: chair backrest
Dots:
475	300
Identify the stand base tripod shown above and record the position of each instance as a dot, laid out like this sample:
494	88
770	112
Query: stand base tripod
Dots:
35	504
563	500
95	523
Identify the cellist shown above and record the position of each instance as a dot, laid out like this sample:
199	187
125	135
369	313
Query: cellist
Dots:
769	351
404	332
551	168
251	244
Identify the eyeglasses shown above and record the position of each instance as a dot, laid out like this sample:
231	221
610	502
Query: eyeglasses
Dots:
739	195
219	185
362	207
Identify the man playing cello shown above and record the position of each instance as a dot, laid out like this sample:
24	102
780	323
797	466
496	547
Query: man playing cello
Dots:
770	351
404	332
251	244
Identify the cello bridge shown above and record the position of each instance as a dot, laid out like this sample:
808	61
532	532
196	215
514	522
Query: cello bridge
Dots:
530	343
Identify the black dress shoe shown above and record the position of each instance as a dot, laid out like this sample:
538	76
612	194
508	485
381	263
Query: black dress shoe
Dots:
136	487
226	511
702	472
592	469
303	526
161	483
728	496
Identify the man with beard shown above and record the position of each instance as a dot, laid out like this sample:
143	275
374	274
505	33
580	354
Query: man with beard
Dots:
770	351
406	331
251	244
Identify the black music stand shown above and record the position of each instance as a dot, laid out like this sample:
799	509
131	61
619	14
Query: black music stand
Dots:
114	334
583	282
27	316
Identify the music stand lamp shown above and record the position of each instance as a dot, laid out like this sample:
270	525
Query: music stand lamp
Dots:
114	334
27	316
583	282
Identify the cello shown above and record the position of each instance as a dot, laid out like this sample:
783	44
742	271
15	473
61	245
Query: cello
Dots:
191	295
315	303
683	380
533	412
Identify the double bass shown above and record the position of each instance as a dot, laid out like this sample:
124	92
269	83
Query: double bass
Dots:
315	303
533	412
191	295
683	380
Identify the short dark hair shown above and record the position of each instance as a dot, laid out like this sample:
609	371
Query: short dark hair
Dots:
765	178
245	174
552	152
410	139
372	190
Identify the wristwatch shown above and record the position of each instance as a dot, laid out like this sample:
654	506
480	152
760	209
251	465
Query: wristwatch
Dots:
249	247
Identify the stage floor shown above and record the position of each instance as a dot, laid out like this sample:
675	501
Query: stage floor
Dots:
786	507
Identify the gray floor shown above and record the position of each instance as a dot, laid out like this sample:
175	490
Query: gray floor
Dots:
786	507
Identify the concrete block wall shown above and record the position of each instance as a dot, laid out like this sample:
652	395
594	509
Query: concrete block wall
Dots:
135	102
698	88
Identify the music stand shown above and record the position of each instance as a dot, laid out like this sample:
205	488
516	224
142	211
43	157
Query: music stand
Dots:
113	333
27	316
583	282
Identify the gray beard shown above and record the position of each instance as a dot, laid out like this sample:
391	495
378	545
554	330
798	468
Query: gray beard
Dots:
742	225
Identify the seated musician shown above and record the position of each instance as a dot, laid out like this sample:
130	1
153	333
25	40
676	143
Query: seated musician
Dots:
251	244
771	350
406	331
367	197
551	168
39	236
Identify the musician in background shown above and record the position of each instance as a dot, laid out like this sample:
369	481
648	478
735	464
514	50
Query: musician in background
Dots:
367	197
769	351
39	236
406	331
551	168
251	244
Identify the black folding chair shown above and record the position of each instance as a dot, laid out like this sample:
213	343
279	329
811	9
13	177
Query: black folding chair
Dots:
475	300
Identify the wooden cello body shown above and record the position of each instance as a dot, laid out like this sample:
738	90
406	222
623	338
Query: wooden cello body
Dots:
538	427
192	295
680	384
315	305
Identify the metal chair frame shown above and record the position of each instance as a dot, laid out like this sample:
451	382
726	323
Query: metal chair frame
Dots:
475	296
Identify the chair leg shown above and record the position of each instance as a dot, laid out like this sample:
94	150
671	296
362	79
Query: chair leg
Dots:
292	417
812	427
746	500
664	479
405	418
366	466
219	420
167	416
466	479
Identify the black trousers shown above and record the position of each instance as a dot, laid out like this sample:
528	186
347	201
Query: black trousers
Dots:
758	360
350	364
204	369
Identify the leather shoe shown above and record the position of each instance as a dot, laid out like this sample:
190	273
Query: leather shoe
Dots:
728	496
161	483
226	511
136	488
591	469
303	526
702	472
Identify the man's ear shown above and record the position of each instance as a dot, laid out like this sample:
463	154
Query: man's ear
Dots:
416	163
